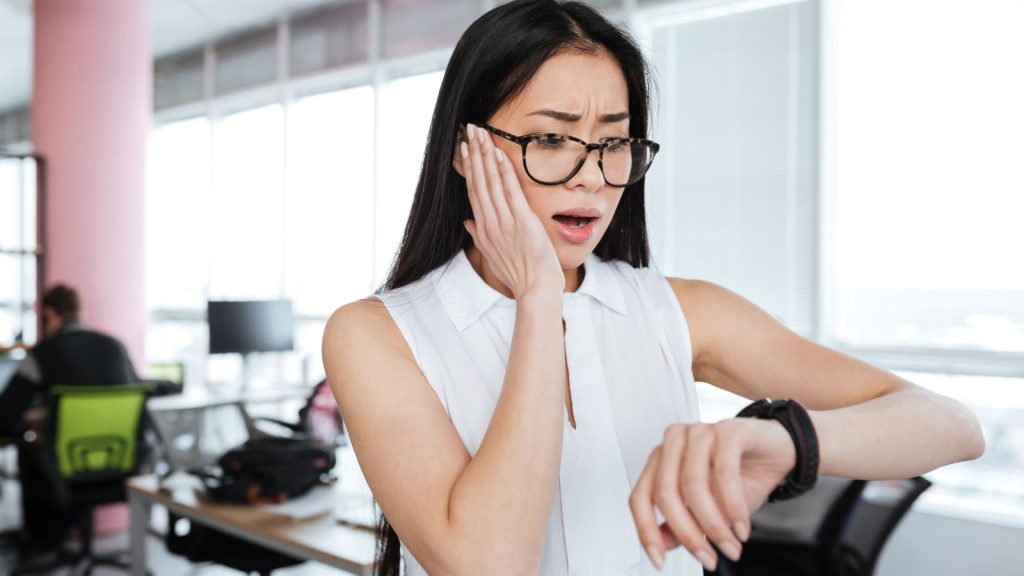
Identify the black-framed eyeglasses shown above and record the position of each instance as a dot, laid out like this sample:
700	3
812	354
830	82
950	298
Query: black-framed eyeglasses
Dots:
552	159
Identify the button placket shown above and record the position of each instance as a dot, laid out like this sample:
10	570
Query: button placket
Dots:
594	449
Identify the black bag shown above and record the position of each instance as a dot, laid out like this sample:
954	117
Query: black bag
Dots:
263	468
270	468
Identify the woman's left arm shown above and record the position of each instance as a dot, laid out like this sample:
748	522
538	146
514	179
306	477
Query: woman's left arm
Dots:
871	424
707	479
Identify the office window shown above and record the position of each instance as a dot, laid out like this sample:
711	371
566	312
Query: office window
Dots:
731	197
178	215
330	200
246	60
170	340
928	177
998	476
17	235
329	37
248	210
178	79
406	106
412	27
923	200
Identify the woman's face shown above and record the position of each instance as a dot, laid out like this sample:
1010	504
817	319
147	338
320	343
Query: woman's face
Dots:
581	95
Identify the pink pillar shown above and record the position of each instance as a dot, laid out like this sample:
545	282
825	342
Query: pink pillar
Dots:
91	105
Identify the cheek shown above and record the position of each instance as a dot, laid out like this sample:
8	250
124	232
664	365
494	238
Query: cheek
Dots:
614	199
538	198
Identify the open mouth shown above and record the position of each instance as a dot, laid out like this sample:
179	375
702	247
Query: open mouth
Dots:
574	221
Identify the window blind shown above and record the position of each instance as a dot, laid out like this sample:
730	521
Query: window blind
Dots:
731	197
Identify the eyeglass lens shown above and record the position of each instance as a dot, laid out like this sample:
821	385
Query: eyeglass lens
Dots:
552	158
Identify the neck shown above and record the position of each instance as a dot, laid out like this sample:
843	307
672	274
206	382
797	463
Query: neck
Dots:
573	276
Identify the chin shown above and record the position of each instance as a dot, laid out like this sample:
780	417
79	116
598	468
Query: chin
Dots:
571	257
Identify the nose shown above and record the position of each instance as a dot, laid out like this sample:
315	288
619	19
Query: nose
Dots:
589	177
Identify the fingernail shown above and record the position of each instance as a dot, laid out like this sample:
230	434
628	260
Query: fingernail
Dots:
731	550
469	131
706	559
656	556
741	530
465	150
497	153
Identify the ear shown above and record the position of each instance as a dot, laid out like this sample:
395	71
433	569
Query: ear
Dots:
457	156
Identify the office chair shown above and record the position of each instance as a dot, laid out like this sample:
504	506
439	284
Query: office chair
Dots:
91	444
319	419
193	437
839	531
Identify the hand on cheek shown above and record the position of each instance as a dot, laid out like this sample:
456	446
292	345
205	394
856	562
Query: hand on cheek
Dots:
504	227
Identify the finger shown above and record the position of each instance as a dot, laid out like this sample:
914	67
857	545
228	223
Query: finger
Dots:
513	190
670	501
495	184
488	217
641	504
668	539
695	485
467	167
728	484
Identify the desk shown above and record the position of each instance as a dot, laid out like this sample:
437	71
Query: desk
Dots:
321	539
199	398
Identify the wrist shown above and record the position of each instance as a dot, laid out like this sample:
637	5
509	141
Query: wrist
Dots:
544	301
788	457
823	428
797	423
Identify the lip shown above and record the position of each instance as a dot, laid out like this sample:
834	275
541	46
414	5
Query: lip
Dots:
576	235
581	212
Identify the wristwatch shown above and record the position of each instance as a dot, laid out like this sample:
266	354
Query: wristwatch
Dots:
797	422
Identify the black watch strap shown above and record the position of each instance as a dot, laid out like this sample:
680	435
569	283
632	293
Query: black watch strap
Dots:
797	422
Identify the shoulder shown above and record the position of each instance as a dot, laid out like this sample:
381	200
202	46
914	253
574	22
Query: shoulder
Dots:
360	325
705	305
361	316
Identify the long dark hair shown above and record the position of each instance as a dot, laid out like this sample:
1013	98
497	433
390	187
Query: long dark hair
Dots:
493	61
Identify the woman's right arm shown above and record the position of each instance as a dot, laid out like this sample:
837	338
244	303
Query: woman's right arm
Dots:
457	515
460	515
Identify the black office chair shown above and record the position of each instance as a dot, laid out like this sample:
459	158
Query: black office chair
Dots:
840	531
91	444
319	419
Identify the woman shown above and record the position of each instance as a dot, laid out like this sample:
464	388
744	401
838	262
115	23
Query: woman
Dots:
520	394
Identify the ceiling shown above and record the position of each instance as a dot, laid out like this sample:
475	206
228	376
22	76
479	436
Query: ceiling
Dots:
176	25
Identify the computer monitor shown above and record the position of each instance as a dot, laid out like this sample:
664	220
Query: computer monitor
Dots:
242	327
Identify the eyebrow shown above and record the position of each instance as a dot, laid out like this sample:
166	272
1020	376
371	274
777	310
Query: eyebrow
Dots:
567	117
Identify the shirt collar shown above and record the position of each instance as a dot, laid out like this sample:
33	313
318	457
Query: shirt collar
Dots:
465	296
72	326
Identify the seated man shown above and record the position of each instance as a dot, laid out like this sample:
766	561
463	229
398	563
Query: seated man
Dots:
70	354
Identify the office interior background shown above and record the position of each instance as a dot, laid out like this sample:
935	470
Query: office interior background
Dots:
853	167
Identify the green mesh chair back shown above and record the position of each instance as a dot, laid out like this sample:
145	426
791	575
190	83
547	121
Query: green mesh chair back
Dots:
96	428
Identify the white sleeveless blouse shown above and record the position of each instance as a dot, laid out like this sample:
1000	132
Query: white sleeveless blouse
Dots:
630	376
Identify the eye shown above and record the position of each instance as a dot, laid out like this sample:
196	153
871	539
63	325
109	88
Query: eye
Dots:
550	141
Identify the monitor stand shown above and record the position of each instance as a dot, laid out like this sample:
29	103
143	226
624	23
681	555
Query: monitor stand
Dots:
246	372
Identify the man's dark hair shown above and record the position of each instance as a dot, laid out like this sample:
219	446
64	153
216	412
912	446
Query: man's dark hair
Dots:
63	300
